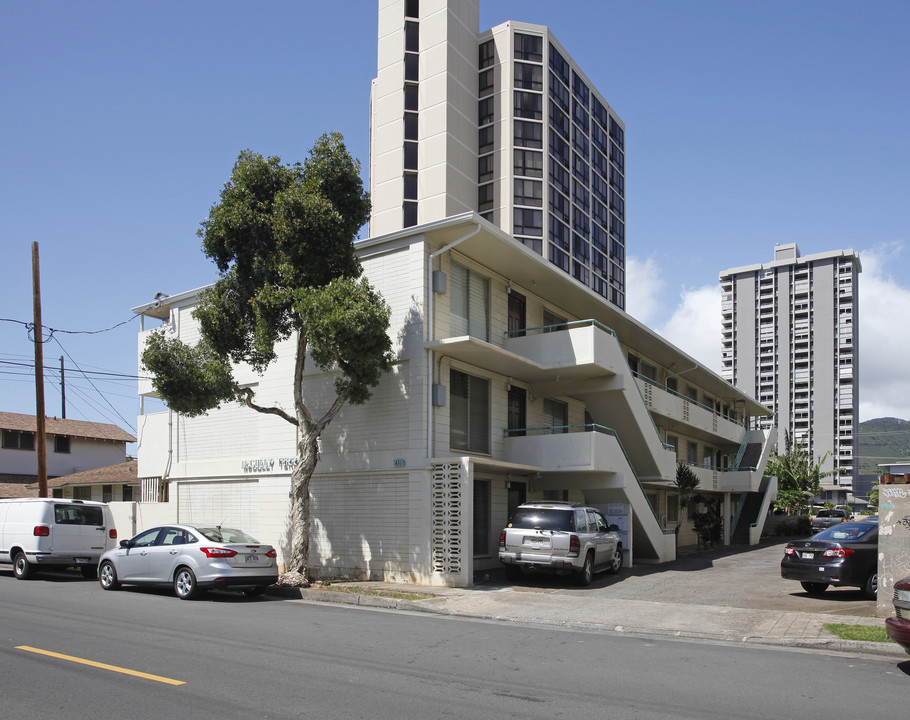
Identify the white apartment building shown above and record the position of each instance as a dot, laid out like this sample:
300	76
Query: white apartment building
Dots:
791	338
512	382
504	123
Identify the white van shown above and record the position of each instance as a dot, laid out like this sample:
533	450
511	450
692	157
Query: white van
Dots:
52	532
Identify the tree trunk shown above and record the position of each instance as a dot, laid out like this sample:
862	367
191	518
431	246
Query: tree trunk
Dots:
297	570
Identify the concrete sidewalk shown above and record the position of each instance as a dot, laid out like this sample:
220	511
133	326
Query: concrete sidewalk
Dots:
731	595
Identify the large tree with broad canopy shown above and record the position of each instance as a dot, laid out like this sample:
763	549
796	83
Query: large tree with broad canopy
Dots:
282	237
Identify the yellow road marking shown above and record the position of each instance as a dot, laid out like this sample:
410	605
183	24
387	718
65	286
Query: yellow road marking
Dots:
103	666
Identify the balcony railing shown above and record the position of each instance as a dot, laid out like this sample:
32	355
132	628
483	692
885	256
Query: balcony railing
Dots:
561	326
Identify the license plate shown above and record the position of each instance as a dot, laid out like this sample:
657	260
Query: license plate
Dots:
82	561
252	558
534	541
808	556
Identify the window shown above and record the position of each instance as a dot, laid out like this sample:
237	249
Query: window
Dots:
528	77
528	134
580	89
647	370
412	8
485	111
411	67
555	415
485	83
528	163
409	213
527	222
559	65
559	148
559	176
528	47
410	97
553	322
528	192
18	440
672	508
411	36
127	493
78	514
559	93
559	206
61	443
485	168
485	139
410	186
470	303
528	105
487	54
410	126
559	233
107	493
410	155
692	453
485	197
559	258
469	416
83	492
559	121
481	518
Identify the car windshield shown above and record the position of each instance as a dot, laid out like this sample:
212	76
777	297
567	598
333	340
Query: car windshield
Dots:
847	532
226	535
830	513
543	519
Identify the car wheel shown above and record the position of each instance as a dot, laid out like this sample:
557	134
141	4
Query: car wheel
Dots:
870	589
514	573
814	588
107	576
185	586
616	560
255	591
22	568
586	574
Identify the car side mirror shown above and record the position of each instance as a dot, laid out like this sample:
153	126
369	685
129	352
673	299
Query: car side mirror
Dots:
614	528
126	543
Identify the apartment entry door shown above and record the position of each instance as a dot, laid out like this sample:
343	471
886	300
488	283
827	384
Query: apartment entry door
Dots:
518	493
517	315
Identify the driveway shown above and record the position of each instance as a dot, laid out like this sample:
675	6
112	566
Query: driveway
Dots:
736	576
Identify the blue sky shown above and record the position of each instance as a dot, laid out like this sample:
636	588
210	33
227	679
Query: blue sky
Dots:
747	124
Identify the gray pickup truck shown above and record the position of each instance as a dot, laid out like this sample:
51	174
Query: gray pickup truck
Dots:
828	518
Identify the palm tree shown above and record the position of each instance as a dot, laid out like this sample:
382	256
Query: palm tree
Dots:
686	482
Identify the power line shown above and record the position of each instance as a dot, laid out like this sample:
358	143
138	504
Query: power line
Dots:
30	328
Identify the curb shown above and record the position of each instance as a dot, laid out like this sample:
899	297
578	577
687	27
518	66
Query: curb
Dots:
373	601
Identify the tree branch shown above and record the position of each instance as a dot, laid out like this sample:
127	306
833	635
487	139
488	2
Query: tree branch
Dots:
248	400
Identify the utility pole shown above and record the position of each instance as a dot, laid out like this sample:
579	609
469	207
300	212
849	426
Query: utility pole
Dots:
40	441
62	391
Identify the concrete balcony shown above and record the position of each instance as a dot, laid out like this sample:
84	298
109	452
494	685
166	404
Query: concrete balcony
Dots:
699	420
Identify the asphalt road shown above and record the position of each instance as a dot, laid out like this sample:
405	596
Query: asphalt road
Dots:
271	657
740	576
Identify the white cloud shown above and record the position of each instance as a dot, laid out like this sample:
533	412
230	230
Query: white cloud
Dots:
695	325
884	337
643	287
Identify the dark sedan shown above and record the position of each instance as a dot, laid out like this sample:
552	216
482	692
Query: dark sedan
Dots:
845	555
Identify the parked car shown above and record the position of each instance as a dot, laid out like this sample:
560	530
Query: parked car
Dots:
54	533
190	558
562	538
828	518
898	627
845	555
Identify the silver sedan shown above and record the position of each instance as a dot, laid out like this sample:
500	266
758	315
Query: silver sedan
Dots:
190	558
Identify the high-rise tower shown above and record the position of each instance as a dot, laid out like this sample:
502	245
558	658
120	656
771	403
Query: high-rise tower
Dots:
504	123
791	338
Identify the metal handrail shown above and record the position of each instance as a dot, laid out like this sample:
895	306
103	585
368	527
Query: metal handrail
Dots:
593	427
569	324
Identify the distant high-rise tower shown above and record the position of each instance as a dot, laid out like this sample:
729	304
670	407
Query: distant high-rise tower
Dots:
504	123
791	338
